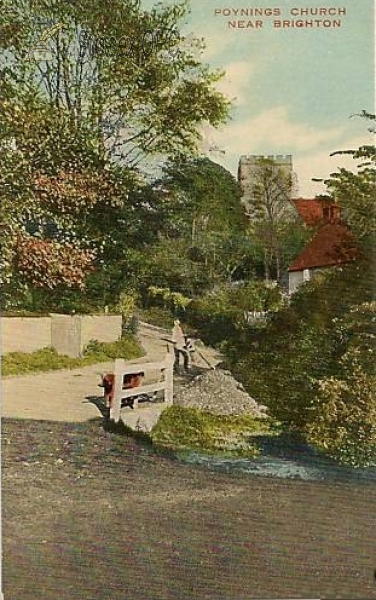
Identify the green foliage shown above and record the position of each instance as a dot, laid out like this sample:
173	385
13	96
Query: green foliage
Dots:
168	264
127	302
158	100
214	317
173	301
63	300
127	347
61	148
158	316
255	296
47	359
281	368
204	197
273	217
202	226
189	428
313	363
343	420
222	315
356	193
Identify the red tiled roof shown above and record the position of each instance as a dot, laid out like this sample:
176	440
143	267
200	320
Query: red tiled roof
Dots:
311	210
333	244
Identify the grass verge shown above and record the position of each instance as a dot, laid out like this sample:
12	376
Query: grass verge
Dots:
191	429
47	359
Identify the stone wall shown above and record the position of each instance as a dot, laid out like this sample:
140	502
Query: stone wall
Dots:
67	334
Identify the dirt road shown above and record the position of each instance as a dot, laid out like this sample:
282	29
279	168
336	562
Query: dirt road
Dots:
68	395
90	515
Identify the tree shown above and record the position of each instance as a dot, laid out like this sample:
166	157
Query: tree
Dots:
48	264
78	119
271	212
124	71
356	194
56	192
200	201
206	195
303	344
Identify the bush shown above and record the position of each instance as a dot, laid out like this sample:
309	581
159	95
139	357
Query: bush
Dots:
344	424
222	315
281	369
126	347
46	359
343	419
131	326
172	301
215	321
126	306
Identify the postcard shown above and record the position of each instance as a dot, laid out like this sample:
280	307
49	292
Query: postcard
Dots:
187	293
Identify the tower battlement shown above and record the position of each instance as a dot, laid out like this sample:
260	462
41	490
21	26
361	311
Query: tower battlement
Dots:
250	166
285	159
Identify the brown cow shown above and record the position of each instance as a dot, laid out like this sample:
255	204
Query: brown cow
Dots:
130	381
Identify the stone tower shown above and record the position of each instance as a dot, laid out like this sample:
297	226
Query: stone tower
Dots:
249	166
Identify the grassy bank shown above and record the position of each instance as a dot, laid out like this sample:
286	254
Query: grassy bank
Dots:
191	429
47	359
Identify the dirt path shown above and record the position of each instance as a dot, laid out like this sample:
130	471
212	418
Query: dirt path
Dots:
68	395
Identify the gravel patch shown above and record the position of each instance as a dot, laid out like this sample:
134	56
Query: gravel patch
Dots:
219	393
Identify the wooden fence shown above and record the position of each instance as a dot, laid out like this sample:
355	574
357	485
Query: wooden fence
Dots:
158	376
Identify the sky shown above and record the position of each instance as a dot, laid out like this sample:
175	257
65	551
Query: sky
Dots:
294	89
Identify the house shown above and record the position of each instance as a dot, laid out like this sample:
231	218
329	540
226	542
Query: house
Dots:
315	211
332	243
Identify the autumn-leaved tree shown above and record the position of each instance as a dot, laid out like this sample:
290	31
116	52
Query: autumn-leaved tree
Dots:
50	264
109	89
49	182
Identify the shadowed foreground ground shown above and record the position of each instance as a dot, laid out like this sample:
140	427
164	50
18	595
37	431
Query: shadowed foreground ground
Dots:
91	515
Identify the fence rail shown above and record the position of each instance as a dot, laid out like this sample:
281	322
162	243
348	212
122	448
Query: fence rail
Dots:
161	371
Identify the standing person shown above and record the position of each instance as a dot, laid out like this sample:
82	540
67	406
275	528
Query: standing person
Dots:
180	348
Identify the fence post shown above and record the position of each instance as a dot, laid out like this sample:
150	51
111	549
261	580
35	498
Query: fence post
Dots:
118	385
169	380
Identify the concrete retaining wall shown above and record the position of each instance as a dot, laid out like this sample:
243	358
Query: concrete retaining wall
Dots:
105	328
25	334
67	334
